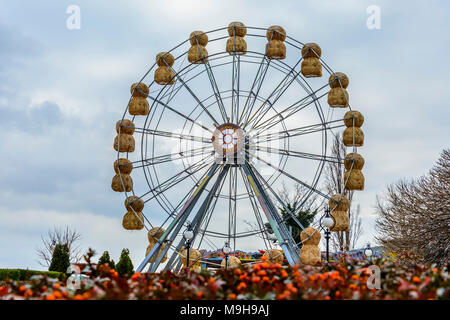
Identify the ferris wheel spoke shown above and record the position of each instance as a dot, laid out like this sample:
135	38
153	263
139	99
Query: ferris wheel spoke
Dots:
193	94
298	154
210	212
280	201
168	134
254	91
180	204
292	177
175	179
292	109
261	138
276	94
172	157
232	202
179	113
235	83
254	203
213	82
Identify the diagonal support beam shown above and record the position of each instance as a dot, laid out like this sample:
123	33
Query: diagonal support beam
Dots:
279	228
196	222
176	224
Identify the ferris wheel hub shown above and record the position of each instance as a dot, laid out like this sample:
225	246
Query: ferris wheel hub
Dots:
228	140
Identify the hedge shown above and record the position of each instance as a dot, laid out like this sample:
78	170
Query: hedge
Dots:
25	274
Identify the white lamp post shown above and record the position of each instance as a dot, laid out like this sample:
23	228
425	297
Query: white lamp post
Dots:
368	251
328	222
226	250
188	235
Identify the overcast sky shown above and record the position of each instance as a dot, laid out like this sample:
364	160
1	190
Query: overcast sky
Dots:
61	92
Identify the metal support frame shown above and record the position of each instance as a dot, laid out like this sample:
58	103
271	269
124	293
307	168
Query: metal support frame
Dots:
176	225
280	230
198	219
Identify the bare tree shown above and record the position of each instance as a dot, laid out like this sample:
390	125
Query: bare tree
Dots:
414	215
334	184
59	236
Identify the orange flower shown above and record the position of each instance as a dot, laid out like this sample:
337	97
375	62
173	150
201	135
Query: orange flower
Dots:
86	295
263	258
44	288
435	270
276	266
314	277
416	279
327	298
113	273
291	288
56	286
286	293
135	276
78	297
211	280
4	290
323	276
266	279
237	272
200	294
57	294
338	294
241	286
256	279
352	286
284	274
262	273
29	293
50	297
22	289
231	296
355	277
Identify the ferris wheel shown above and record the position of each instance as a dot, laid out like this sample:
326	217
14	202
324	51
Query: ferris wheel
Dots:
211	131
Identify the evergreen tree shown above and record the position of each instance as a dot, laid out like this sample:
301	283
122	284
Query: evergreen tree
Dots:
105	259
112	264
306	217
125	266
60	258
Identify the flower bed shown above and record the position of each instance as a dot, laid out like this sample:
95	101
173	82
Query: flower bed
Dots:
344	280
